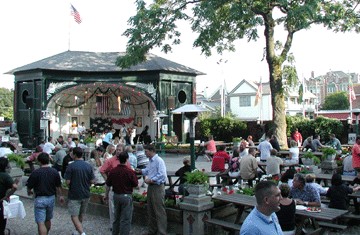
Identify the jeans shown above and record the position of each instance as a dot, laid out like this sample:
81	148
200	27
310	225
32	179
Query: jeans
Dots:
123	208
351	173
43	208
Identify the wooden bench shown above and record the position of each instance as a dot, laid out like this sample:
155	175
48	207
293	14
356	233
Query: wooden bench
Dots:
351	216
225	225
332	225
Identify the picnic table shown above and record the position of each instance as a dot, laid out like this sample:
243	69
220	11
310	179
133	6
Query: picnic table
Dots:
327	177
262	165
241	201
355	197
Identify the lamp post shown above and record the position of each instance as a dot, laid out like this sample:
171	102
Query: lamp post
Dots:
356	112
191	111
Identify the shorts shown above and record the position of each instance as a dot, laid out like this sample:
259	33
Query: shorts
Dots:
43	208
78	207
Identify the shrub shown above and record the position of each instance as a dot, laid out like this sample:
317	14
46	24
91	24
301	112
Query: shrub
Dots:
18	159
196	177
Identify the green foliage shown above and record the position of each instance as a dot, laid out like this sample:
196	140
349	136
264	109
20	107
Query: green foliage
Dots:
248	191
18	159
308	127
328	151
139	197
222	128
6	103
336	101
236	139
310	155
170	202
90	139
196	177
97	189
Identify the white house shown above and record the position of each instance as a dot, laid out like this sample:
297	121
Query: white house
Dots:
242	101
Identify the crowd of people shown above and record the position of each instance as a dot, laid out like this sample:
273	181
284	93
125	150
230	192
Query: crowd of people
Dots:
275	209
112	164
121	169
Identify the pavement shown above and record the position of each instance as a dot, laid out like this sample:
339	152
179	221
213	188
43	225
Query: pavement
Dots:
93	225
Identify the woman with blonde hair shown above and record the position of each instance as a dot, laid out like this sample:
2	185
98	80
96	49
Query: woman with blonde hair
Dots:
110	150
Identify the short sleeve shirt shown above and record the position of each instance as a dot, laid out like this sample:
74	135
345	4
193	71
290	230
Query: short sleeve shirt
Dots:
44	181
273	165
264	148
356	156
308	194
80	174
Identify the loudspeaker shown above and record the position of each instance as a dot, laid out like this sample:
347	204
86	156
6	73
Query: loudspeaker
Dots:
171	102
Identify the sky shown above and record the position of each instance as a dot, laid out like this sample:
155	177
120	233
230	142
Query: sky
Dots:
32	30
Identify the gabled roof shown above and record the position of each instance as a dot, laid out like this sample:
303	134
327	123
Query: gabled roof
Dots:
84	61
265	87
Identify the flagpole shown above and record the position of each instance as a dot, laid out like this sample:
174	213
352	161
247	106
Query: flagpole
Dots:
351	90
261	104
69	28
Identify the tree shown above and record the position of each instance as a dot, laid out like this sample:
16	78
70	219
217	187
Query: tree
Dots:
219	23
6	103
336	101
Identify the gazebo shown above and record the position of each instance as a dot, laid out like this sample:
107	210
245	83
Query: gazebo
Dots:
55	94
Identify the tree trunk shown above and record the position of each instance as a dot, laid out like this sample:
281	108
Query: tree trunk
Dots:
277	92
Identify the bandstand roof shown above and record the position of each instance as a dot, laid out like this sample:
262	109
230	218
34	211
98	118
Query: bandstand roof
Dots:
84	61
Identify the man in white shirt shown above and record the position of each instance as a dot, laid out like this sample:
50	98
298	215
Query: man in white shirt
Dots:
70	143
81	130
265	148
48	146
347	166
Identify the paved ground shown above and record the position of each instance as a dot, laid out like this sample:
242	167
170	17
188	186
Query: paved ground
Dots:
97	225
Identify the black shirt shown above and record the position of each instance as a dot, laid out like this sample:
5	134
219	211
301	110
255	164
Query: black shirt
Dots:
338	195
65	164
44	181
181	172
275	144
286	216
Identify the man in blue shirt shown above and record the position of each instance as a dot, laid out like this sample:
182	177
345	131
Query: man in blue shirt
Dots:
262	219
155	173
265	147
79	176
303	193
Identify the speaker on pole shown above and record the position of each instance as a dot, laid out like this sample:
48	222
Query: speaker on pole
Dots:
171	102
29	102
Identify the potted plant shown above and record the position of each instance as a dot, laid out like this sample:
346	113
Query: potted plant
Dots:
196	183
17	159
90	141
309	158
236	141
329	153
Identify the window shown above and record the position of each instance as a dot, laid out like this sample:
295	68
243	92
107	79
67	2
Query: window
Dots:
244	101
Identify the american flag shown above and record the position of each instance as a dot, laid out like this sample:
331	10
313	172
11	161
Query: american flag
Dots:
258	94
352	95
76	14
102	104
